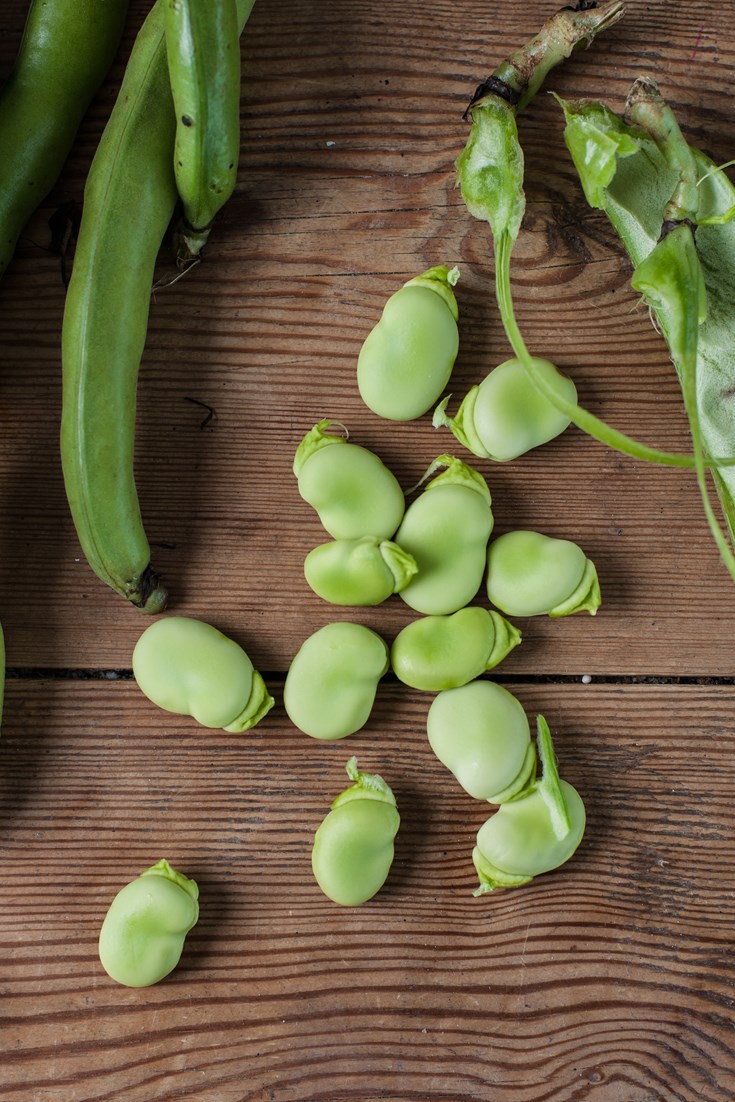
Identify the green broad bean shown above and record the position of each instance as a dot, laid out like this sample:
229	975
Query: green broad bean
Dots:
353	846
407	359
358	572
534	833
142	936
350	488
332	681
446	529
444	652
480	732
506	415
188	667
531	574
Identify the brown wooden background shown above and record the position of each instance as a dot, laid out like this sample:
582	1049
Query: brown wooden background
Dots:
611	980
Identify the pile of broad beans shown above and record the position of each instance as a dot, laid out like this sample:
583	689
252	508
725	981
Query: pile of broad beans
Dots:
171	145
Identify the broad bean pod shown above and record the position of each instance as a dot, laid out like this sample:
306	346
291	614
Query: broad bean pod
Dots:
534	833
188	667
203	50
142	936
331	683
505	415
351	489
129	199
446	529
444	652
480	732
65	53
358	572
406	360
353	847
532	574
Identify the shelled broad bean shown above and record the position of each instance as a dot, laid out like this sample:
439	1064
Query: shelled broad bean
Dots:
532	574
353	848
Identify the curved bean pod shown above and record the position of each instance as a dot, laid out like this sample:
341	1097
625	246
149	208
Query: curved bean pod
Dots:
203	50
129	198
66	50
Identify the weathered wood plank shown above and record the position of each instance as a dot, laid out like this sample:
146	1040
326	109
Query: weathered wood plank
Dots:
610	979
351	123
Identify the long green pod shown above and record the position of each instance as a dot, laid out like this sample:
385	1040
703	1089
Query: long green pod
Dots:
203	48
129	199
66	50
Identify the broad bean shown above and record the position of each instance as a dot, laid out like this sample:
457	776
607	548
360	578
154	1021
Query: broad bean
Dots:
506	415
446	529
350	488
443	652
358	572
481	733
331	683
407	359
142	936
531	574
353	846
188	667
533	834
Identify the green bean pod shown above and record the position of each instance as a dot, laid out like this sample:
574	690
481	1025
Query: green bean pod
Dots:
129	198
443	652
203	49
66	50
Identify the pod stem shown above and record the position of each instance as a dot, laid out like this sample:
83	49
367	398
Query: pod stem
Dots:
366	786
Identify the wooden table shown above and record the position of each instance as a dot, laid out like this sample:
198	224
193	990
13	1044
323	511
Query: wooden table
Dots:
611	980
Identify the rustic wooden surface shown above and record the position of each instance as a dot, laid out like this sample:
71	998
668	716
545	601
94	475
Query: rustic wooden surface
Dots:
611	980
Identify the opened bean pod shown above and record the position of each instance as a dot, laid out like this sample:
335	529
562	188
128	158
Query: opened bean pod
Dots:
188	667
531	574
353	847
446	529
142	936
480	733
331	683
358	572
407	359
533	834
350	488
506	415
443	652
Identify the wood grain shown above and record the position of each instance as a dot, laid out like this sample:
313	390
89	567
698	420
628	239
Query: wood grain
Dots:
346	188
610	980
